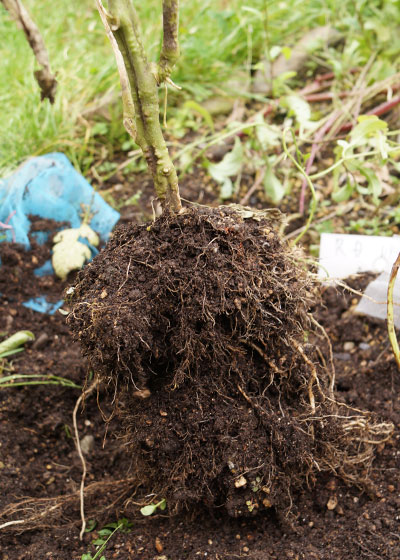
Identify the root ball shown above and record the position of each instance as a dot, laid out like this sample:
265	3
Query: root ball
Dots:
198	322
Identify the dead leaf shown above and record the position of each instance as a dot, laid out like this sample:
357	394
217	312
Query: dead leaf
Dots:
158	545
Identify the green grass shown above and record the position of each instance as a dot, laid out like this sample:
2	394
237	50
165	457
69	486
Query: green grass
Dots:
219	41
78	53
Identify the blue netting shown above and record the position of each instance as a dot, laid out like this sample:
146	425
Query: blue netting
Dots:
48	186
41	305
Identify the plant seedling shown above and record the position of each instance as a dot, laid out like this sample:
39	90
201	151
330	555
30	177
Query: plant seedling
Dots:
12	344
104	536
151	508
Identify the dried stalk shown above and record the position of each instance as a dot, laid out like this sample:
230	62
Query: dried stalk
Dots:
38	513
390	313
81	457
44	77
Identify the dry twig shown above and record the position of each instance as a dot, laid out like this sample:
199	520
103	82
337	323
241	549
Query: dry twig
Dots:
44	77
85	393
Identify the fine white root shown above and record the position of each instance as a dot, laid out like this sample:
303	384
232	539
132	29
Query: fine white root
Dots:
85	393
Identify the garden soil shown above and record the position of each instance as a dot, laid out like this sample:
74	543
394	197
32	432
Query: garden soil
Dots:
41	471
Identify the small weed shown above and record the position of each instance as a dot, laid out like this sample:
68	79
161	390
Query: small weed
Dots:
370	226
68	433
151	508
325	227
12	345
104	536
251	505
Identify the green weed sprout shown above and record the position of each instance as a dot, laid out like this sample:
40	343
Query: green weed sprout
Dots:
23	379
151	508
105	534
13	345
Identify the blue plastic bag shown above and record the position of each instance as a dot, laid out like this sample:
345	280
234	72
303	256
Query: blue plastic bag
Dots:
48	186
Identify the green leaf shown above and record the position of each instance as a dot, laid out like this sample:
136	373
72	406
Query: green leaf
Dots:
381	30
11	344
287	52
11	352
267	135
299	108
226	190
257	13
99	542
258	66
91	524
274	52
202	111
279	83
273	187
105	532
148	510
325	227
112	525
23	379
124	525
368	126
100	129
163	504
344	193
229	166
86	557
343	148
374	185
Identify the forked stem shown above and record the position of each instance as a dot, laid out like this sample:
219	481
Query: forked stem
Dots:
143	80
170	47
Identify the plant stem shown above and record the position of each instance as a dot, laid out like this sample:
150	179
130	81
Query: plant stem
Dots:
390	313
44	77
309	182
170	47
143	80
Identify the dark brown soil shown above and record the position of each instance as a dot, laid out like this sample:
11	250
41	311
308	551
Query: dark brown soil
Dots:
38	457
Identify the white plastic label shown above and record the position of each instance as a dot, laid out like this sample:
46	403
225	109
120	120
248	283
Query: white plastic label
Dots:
374	301
342	255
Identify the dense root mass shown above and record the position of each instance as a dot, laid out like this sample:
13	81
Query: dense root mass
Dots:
198	323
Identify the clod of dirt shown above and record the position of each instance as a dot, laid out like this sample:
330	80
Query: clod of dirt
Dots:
198	323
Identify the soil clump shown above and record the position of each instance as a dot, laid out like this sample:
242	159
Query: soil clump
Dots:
197	324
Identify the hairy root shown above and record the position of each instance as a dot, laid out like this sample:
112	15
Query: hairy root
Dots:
204	316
